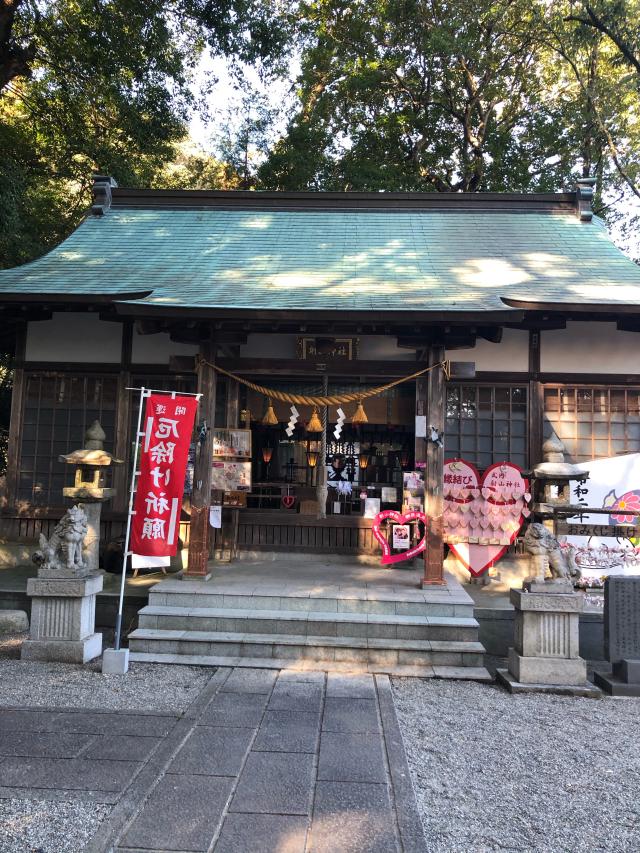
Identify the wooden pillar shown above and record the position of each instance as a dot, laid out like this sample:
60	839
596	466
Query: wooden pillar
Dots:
536	402
201	493
230	528
434	471
9	499
122	440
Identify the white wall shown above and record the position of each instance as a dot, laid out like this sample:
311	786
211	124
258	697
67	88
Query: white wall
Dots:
269	346
511	355
156	349
590	348
74	337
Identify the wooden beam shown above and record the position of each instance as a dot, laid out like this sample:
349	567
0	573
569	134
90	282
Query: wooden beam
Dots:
201	492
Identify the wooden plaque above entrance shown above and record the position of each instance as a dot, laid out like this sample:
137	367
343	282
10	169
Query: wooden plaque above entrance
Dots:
327	348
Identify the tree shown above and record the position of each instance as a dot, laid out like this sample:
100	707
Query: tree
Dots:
103	85
243	140
192	168
420	94
600	45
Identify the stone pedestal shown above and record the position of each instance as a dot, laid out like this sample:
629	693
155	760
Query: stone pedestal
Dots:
621	636
62	619
545	654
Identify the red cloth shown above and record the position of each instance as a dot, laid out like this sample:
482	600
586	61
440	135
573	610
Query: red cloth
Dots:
167	427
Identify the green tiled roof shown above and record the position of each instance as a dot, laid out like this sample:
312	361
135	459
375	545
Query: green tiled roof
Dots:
348	260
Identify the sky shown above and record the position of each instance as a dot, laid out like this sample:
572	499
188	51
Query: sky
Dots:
225	96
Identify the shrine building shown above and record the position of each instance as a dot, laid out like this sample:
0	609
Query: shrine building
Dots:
527	312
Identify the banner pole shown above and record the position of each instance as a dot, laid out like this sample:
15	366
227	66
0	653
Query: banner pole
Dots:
144	392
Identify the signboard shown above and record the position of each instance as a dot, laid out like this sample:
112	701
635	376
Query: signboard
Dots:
168	424
232	442
619	531
230	476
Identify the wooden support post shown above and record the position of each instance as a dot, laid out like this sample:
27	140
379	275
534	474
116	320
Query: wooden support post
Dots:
536	402
9	499
230	529
434	471
201	493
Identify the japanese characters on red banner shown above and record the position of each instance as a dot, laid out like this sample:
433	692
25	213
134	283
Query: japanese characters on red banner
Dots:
168	425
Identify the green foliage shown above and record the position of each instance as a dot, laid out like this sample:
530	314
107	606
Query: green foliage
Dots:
492	95
106	86
191	168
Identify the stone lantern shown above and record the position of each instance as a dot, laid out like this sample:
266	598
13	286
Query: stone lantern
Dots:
89	488
554	476
64	592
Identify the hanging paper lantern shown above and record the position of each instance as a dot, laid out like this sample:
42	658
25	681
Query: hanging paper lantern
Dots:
269	418
360	416
315	424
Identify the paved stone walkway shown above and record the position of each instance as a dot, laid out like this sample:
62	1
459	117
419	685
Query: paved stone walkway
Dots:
262	762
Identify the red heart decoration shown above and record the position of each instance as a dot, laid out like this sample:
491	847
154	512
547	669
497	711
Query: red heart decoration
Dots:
414	515
507	515
288	501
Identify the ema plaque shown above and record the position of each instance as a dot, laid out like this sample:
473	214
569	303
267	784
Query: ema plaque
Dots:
621	636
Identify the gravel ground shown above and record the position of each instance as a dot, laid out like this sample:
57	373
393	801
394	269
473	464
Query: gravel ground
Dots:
48	826
39	826
145	687
537	773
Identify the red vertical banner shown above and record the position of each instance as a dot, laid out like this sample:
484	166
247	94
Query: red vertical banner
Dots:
167	428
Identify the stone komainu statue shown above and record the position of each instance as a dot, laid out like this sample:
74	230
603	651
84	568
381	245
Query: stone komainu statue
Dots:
64	549
542	543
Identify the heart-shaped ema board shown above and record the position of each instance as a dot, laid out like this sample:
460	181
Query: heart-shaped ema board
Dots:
398	518
288	501
499	496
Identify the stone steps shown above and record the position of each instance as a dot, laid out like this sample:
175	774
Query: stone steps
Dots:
469	673
425	633
436	603
388	652
309	623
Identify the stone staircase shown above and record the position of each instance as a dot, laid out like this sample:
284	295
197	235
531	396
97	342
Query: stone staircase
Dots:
427	634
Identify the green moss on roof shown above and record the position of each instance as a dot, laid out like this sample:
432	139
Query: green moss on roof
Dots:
346	260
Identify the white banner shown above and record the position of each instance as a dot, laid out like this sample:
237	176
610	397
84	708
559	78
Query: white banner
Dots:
614	484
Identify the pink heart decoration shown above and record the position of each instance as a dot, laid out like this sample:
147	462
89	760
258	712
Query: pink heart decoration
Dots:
503	490
288	501
414	515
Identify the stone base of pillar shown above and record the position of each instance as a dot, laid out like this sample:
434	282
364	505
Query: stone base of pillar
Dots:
545	655
65	651
623	681
586	690
63	619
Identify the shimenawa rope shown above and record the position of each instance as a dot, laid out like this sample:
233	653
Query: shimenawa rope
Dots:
334	400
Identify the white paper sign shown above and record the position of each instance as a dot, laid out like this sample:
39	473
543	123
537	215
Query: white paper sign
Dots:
389	494
421	426
371	507
138	561
215	516
401	536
